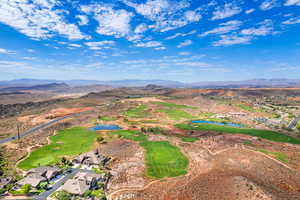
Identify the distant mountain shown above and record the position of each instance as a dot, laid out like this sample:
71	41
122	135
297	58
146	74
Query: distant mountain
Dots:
117	83
253	83
45	87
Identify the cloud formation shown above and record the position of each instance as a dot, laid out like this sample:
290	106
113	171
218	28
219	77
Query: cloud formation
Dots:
38	19
185	43
225	11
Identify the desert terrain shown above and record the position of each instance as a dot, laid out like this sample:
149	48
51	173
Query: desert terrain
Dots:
180	144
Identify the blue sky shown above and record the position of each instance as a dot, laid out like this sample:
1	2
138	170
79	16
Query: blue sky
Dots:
183	40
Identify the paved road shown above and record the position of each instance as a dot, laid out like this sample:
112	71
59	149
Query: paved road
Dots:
57	185
39	127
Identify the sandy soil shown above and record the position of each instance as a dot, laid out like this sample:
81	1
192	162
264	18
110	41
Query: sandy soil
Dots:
127	165
144	99
233	173
55	113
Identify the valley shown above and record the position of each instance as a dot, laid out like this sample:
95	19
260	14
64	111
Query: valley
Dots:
161	143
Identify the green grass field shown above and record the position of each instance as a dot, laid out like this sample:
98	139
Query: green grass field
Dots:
278	155
249	108
164	159
173	105
137	112
131	135
176	114
266	134
189	139
66	142
174	111
107	118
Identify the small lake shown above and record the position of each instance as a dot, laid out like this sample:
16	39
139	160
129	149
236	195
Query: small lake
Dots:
218	123
100	127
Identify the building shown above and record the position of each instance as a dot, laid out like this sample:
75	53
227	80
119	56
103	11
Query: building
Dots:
82	182
36	176
32	179
46	171
5	181
92	158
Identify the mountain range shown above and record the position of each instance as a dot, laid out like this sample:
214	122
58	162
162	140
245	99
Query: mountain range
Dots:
44	84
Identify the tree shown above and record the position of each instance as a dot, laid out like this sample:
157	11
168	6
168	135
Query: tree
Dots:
298	127
26	188
62	195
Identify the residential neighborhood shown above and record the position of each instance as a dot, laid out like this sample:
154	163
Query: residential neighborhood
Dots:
83	178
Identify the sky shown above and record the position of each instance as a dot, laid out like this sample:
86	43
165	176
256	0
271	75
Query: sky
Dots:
183	40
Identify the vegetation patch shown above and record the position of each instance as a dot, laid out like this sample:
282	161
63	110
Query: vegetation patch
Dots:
66	142
137	112
153	130
107	118
266	134
189	139
176	114
249	108
207	115
173	105
131	135
278	155
174	111
164	159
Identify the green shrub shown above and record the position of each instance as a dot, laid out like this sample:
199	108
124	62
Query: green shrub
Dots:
62	195
189	139
26	188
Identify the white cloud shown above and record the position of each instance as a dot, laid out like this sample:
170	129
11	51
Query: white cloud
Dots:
228	10
105	44
75	45
149	44
269	4
223	28
11	63
292	3
180	35
185	43
29	58
193	64
264	28
129	62
250	11
294	20
228	40
83	20
111	21
192	16
38	19
30	50
166	14
184	53
5	51
160	48
141	28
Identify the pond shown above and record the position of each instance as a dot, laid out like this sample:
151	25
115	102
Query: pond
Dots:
105	127
218	123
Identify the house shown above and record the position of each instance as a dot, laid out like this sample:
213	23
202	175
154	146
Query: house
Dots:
32	179
82	182
36	176
5	181
48	172
92	158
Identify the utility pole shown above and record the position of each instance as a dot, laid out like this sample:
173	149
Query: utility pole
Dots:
18	127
